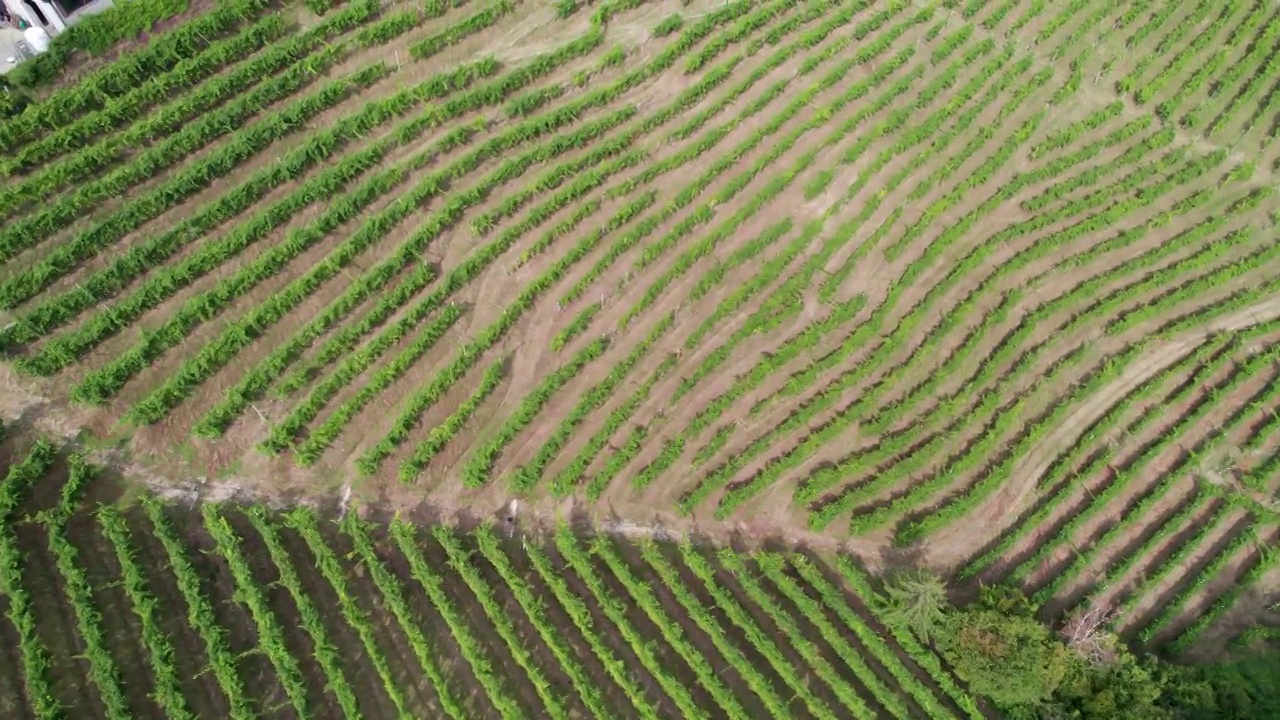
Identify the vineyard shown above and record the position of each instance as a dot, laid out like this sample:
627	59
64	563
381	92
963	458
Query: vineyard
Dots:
984	286
152	611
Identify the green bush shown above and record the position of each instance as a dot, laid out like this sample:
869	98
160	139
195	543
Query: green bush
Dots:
1246	688
1015	661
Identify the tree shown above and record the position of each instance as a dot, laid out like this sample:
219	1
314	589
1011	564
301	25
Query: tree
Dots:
1248	687
1120	687
1013	660
916	600
1006	600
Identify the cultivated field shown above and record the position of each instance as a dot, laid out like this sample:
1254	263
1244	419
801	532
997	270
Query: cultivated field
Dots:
990	286
148	612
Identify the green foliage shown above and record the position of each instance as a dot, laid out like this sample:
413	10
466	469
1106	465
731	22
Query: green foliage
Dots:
616	56
769	645
1127	686
860	585
586	689
161	284
88	146
304	522
20	608
158	404
1245	688
392	592
702	615
95	35
161	658
916	600
452	35
118	113
566	8
668	25
323	435
580	615
573	473
616	462
323	649
79	593
580	562
1004	653
200	613
460	559
753	587
441	434
101	32
487	673
528	475
820	182
476	472
808	410
253	596
996	646
1007	600
243	144
1123	687
951	192
1013	660
534	100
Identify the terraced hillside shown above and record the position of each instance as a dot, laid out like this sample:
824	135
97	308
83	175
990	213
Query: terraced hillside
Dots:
987	285
143	611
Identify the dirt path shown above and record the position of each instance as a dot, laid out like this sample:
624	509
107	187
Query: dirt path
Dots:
951	545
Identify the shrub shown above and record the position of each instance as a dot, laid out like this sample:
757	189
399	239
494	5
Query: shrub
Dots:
1015	661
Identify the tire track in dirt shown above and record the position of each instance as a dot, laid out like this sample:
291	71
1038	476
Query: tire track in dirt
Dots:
949	547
